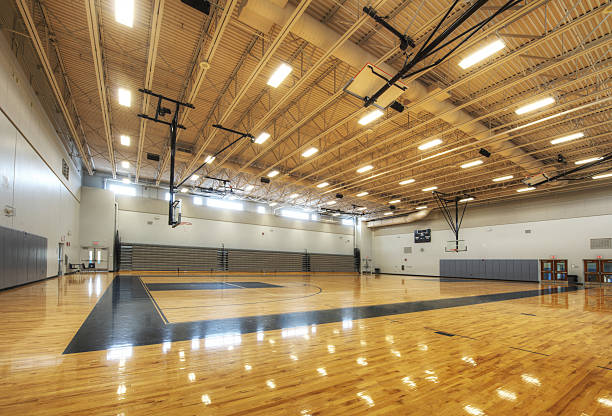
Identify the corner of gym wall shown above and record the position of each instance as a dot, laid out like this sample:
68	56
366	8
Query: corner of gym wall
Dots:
97	219
42	200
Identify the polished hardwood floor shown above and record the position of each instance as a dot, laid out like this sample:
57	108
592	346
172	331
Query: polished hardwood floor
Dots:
316	344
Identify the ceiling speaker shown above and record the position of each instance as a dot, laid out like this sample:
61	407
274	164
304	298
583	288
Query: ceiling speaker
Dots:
265	180
484	152
339	196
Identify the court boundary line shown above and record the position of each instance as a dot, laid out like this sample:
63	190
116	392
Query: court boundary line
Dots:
157	307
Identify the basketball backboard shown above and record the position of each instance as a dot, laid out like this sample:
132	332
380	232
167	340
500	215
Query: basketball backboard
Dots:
371	79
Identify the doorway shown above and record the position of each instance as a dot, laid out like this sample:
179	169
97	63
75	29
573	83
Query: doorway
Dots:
553	270
60	259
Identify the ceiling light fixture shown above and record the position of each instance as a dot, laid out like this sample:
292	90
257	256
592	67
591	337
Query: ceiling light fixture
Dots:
272	204
421	207
466	199
273	173
472	164
430	144
279	75
124	12
364	193
589	160
125	140
322	185
360	208
125	164
365	168
310	152
263	136
370	117
482	53
535	105
249	188
531	188
125	97
125	180
209	159
503	178
388	213
406	182
395	201
605	175
293	196
567	138
431	188
195	177
331	202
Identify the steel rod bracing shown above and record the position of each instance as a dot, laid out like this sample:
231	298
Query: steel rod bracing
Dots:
447	205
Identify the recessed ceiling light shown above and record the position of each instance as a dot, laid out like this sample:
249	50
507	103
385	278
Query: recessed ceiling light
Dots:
279	75
293	196
421	207
605	175
430	144
273	204
273	173
125	97
124	12
125	180
263	136
365	168
466	199
567	138
482	53
431	188
125	164
472	164
388	213
370	117
322	185
209	159
406	182
535	105
364	193
395	201
589	160
530	188
125	140
503	178
249	188
331	202
310	152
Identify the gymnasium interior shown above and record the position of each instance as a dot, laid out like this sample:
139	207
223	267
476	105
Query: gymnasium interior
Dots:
305	207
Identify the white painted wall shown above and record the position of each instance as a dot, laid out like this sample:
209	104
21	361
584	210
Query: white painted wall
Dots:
488	237
31	154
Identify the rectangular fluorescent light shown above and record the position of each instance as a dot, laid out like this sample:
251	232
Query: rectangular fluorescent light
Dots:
567	138
531	188
124	12
195	177
273	204
472	164
406	182
279	75
273	173
421	207
503	178
310	152
263	136
125	97
395	201
249	188
298	215
184	190
122	190
261	209
364	193
535	105
209	159
125	140
293	196
221	203
197	200
365	168
482	53
430	144
331	202
347	221
466	199
322	185
431	188
370	117
388	213
361	208
125	164
605	175
589	160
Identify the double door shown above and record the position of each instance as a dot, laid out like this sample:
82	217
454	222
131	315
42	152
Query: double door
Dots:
598	271
553	270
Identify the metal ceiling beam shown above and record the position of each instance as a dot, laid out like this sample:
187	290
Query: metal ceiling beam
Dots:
93	22
30	25
285	30
203	67
156	23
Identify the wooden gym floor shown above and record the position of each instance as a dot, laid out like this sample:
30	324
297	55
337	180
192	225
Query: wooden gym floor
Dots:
318	344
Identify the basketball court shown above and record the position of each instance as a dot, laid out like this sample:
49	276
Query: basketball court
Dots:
305	207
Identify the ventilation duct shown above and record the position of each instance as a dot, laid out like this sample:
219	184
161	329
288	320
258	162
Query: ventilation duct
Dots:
406	219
